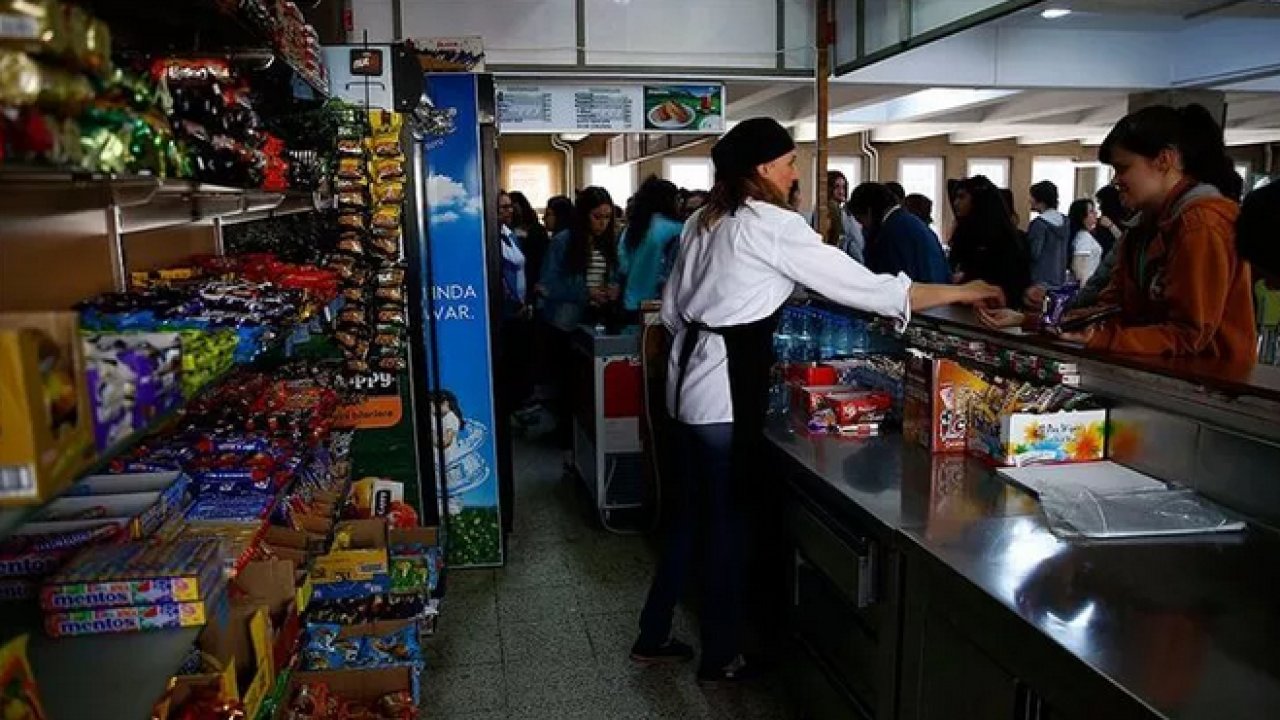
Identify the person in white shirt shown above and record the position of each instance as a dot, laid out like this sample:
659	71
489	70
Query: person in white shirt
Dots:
741	258
1086	251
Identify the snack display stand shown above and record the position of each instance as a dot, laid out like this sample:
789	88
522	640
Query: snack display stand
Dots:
212	395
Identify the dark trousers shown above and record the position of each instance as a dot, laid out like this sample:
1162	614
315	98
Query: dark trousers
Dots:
708	515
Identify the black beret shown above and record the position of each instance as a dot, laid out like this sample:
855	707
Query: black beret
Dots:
750	143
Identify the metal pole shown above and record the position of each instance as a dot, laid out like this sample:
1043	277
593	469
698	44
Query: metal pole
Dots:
115	248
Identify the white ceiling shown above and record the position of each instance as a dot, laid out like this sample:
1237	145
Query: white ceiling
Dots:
1041	81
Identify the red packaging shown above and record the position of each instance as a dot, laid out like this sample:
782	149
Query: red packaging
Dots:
810	374
860	407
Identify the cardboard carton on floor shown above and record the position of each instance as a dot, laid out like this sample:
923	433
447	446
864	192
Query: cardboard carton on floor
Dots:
362	568
367	685
46	421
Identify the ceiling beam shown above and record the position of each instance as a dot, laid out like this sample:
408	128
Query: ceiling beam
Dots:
1032	106
924	105
903	132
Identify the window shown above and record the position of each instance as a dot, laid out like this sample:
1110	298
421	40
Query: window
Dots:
689	173
850	165
1102	177
619	180
923	176
1060	171
532	179
996	170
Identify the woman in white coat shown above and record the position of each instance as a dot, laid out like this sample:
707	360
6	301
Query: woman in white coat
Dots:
741	257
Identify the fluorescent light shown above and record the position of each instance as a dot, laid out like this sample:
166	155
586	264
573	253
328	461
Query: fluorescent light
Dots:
1054	13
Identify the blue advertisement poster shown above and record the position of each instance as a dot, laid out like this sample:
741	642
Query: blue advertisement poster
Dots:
463	420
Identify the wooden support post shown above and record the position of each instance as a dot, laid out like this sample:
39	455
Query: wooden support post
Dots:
821	75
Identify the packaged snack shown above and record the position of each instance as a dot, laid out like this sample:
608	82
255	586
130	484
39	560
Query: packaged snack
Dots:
20	699
388	193
397	648
352	220
388	168
351	168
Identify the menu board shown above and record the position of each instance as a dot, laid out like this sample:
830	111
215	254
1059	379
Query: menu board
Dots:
638	108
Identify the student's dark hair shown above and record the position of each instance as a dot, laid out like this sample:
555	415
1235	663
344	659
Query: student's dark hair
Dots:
655	197
833	176
1007	196
1044	192
1076	214
1190	130
1256	239
1109	204
988	231
525	216
874	200
578	255
920	206
562	207
895	188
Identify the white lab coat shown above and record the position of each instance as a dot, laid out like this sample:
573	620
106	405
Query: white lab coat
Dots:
742	271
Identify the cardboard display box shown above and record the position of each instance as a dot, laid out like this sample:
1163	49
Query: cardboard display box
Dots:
1019	439
46	421
361	569
937	396
363	685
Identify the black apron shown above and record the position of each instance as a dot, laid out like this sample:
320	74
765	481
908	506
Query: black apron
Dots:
749	354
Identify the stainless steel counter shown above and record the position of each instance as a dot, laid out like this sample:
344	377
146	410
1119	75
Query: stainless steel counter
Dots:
1188	628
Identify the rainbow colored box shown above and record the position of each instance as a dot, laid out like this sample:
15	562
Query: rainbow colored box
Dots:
1028	439
137	618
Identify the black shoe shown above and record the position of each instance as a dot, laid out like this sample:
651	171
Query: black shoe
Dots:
671	651
735	672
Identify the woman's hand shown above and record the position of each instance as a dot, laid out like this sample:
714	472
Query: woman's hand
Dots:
982	294
1081	336
1033	298
1000	317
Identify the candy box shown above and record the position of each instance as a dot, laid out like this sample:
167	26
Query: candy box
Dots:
1018	439
358	564
366	686
937	396
125	483
46	420
135	618
810	374
143	511
136	574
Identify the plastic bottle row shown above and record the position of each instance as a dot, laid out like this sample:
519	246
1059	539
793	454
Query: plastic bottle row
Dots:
807	334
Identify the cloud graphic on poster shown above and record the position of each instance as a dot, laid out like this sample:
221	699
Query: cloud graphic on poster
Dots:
448	198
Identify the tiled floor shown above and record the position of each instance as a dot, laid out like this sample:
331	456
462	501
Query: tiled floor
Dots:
547	636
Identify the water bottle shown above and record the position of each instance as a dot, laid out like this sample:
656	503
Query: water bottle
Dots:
804	337
784	337
859	343
828	327
844	338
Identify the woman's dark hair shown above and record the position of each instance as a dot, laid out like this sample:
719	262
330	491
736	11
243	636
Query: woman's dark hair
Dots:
874	200
581	242
1044	192
525	216
986	245
655	197
1190	130
896	190
1076	214
1109	204
1007	196
832	177
562	207
1256	239
920	206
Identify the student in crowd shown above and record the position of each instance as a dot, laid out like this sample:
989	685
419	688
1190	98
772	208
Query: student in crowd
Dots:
514	372
1048	237
1258	242
1086	253
1112	217
558	216
851	240
1179	284
514	287
695	200
898	192
531	235
985	244
645	250
920	206
741	258
897	241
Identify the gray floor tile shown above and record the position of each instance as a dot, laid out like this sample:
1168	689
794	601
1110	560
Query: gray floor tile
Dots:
463	643
613	634
465	689
548	643
479	609
669	691
469	582
529	685
535	603
544	566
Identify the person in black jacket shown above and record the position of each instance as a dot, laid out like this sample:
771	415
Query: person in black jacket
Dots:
985	244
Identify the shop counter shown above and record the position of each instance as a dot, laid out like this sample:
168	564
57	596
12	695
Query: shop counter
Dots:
922	584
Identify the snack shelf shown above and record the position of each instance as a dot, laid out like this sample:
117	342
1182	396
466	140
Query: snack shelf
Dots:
144	203
199	27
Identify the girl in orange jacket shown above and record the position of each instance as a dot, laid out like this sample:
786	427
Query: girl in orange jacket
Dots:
1180	286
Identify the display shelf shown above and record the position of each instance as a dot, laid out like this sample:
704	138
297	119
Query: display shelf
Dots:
205	27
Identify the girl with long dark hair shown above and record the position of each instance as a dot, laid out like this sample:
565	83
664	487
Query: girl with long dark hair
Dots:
1086	253
741	257
644	254
986	245
532	236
